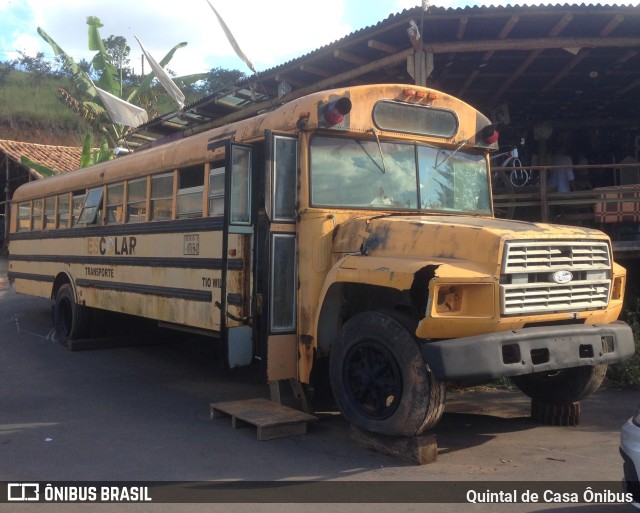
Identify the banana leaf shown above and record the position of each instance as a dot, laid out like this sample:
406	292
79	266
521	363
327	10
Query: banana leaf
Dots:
92	156
43	170
81	79
101	61
85	159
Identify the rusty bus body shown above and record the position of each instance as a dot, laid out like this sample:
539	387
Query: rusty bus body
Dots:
351	227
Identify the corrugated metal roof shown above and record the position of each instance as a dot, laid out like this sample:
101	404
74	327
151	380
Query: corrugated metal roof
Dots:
563	63
58	158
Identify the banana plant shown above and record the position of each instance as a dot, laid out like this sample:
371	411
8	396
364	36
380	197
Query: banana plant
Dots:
107	80
91	156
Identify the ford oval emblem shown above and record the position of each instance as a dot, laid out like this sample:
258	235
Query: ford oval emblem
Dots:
562	277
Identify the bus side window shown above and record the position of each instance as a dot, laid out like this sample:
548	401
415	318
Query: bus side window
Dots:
240	186
190	191
63	211
284	178
50	213
137	201
92	209
115	203
24	216
78	202
36	216
161	197
216	190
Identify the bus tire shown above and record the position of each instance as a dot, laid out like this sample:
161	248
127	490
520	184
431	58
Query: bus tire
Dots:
70	320
379	379
562	386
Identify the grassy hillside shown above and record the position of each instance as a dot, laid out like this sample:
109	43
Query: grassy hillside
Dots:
31	110
26	97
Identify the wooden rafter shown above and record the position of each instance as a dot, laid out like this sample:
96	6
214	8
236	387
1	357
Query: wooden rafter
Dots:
531	58
349	57
462	27
315	70
506	30
584	53
537	43
383	47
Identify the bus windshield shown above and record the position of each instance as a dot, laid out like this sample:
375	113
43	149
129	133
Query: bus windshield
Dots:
353	173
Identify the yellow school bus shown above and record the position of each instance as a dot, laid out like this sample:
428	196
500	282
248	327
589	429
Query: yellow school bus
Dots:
344	237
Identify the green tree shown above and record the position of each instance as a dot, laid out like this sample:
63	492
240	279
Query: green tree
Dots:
219	78
85	65
119	50
37	65
5	70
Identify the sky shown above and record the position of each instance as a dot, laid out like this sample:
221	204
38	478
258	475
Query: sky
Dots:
268	32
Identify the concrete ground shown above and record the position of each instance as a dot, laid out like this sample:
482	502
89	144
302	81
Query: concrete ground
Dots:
142	414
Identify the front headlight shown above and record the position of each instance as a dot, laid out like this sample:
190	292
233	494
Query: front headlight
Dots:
463	300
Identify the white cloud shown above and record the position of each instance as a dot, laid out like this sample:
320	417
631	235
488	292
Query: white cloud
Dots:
25	43
268	32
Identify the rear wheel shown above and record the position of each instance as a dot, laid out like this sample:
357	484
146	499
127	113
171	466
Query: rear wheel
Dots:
562	386
379	379
70	320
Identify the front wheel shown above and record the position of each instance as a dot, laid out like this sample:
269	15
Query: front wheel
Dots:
561	386
379	379
70	320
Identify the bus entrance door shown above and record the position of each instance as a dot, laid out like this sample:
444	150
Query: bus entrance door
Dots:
237	256
278	246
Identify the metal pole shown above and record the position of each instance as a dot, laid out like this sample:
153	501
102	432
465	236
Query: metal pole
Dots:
7	205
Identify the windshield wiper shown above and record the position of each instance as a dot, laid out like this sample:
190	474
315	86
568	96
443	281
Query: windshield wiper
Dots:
450	155
375	134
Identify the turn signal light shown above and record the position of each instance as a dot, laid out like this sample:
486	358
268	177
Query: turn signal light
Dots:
420	95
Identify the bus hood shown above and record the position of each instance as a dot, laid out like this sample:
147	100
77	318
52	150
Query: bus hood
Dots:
445	238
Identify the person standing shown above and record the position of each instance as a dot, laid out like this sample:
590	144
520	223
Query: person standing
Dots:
561	179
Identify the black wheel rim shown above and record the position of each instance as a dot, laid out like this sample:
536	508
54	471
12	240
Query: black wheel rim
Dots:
372	379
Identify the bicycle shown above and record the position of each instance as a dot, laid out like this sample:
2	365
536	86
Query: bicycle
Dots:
518	177
505	181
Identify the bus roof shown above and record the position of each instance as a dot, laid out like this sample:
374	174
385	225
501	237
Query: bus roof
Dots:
304	113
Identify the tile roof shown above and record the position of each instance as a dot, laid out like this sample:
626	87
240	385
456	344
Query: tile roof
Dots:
59	158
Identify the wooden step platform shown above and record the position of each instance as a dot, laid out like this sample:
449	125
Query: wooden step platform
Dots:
273	420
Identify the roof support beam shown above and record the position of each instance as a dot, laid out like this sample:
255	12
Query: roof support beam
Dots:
383	47
628	87
531	58
462	27
281	77
542	43
508	27
315	70
615	21
349	57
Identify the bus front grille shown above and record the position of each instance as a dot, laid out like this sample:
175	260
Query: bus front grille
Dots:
554	276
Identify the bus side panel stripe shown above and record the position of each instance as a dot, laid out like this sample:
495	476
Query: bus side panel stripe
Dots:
235	264
153	227
31	277
190	295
